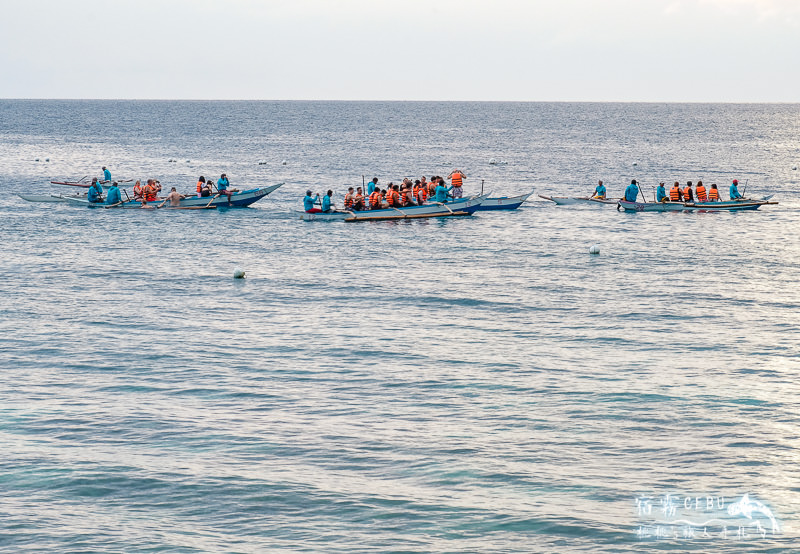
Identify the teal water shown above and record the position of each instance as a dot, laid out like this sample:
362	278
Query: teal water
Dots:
475	384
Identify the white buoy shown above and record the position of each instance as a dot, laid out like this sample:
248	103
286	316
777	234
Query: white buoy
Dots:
238	273
36	160
794	168
635	164
188	161
492	161
594	249
283	162
47	159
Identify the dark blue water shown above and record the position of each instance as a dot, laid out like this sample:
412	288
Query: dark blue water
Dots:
474	384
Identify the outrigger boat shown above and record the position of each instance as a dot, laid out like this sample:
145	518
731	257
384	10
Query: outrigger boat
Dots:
503	202
569	200
238	200
725	205
466	206
51	197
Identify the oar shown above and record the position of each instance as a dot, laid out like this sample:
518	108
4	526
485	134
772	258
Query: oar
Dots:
212	199
114	205
445	205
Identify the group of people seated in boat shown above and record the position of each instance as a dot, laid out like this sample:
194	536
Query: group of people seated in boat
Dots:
408	193
205	188
676	193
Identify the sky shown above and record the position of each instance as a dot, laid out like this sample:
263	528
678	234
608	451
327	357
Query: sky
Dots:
503	50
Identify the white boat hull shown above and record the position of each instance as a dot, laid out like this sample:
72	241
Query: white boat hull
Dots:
585	200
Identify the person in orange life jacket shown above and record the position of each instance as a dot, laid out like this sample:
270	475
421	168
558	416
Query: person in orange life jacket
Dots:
375	199
456	181
713	194
358	200
150	191
675	192
393	197
138	190
422	194
423	183
687	192
700	191
348	199
203	188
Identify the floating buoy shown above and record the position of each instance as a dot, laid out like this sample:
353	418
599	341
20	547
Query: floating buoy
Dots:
283	162
36	160
635	164
492	161
794	168
47	159
238	273
594	249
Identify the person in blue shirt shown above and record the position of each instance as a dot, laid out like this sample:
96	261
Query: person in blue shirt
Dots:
661	193
600	191
371	186
222	187
95	192
309	201
632	192
106	175
113	197
735	195
440	194
327	202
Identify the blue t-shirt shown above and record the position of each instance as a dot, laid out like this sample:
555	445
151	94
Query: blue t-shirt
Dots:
661	193
113	196
370	188
308	202
222	184
106	175
631	192
600	191
326	203
441	193
734	192
94	193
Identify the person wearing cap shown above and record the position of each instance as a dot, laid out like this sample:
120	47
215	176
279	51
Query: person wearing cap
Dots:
174	198
309	201
222	187
632	192
661	193
113	197
95	192
600	191
106	175
734	191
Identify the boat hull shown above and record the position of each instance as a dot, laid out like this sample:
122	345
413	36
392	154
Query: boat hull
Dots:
582	200
238	200
724	206
503	202
458	208
49	197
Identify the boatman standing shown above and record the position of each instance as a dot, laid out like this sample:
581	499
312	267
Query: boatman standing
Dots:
309	201
95	192
441	192
600	191
735	195
106	175
113	197
632	192
456	181
661	193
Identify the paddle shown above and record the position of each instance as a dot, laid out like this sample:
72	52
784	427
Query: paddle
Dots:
114	205
212	199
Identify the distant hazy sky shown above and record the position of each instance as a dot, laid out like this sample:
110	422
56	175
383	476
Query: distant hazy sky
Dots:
596	50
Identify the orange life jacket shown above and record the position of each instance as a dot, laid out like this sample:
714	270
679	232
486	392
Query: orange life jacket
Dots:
687	194
674	194
138	191
150	194
456	180
422	195
200	185
700	190
359	199
348	201
713	195
431	188
406	197
375	200
393	198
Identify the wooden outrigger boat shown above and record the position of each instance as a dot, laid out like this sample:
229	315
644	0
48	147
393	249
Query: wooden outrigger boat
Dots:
586	200
50	197
460	207
725	205
238	200
503	202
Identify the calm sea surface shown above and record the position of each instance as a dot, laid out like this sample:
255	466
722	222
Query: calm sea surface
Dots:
469	385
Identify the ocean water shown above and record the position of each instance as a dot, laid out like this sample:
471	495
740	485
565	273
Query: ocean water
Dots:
476	384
